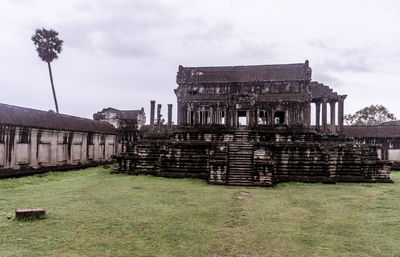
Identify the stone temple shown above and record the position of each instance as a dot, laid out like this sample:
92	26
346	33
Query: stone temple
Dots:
236	125
251	125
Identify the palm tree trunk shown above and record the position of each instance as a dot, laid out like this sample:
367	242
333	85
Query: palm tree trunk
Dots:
52	86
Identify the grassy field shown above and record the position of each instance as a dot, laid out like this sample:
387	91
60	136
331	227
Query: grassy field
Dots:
93	213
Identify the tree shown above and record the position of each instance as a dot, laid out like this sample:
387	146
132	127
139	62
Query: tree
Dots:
48	46
372	115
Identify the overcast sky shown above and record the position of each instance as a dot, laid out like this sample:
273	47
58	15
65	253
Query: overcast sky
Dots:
124	53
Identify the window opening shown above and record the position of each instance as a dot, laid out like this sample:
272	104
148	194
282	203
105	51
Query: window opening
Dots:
279	117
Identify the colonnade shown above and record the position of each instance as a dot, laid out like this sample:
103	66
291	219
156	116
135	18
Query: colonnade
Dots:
205	116
323	127
152	114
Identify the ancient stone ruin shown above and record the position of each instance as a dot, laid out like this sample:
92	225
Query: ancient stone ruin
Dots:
33	141
237	125
251	125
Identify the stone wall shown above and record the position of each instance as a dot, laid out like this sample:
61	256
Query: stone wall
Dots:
252	157
29	150
33	141
386	138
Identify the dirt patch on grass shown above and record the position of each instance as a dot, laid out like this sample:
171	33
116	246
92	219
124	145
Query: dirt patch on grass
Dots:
242	195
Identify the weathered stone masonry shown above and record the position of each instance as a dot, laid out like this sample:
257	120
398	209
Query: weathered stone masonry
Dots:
386	137
33	141
250	125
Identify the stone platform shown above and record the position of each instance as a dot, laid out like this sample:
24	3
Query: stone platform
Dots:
260	156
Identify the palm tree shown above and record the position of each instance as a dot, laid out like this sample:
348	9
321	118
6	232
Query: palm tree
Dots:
48	45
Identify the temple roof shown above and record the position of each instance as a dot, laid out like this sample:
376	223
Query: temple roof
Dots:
320	91
26	117
252	73
121	114
372	131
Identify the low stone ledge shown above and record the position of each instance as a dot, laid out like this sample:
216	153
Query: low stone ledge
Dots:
33	213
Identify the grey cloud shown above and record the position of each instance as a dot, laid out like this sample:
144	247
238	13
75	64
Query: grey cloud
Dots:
350	63
346	59
318	44
129	49
327	79
199	30
126	31
256	50
220	31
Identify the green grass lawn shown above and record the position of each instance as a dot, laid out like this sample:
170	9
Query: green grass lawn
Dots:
93	213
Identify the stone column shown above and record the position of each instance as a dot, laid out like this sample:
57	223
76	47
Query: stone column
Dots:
255	117
317	115
324	116
228	117
10	148
158	114
152	109
333	116
188	115
83	147
341	113
169	115
33	148
181	111
196	115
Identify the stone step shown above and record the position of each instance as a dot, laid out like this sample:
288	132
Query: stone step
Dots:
249	183
239	165
243	158
250	149
235	176
236	151
240	160
240	175
232	165
240	181
244	172
239	153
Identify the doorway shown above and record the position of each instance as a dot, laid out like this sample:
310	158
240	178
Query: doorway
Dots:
242	118
279	118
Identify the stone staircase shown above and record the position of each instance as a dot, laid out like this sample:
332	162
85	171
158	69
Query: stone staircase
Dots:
240	160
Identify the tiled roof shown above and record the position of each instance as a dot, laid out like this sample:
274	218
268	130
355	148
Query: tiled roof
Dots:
20	116
372	131
253	73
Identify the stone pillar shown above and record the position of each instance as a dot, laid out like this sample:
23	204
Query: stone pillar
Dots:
181	111
158	114
255	117
188	115
333	116
196	115
152	109
83	147
169	115
228	117
341	113
33	148
317	116
324	116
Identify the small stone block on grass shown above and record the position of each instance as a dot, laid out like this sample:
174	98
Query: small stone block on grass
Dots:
33	213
